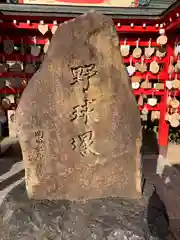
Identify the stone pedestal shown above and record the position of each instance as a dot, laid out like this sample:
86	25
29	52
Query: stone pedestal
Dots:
100	219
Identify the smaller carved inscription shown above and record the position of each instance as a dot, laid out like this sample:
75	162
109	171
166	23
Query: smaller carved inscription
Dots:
83	143
39	136
39	153
82	74
82	111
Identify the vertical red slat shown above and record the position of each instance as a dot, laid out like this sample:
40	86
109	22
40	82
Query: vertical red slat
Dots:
163	126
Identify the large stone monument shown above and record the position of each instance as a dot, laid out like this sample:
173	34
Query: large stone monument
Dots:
78	121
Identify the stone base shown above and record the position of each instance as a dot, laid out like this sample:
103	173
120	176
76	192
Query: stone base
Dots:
168	155
102	219
6	143
173	153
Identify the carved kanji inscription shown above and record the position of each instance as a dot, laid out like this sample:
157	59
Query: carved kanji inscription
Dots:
83	143
82	74
82	111
39	136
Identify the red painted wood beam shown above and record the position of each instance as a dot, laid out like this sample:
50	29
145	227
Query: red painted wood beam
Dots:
120	29
132	41
171	14
172	19
29	39
148	92
49	19
26	57
139	29
150	108
173	25
158	60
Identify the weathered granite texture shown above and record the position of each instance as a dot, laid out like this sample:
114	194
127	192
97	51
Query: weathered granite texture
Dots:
168	190
100	219
78	121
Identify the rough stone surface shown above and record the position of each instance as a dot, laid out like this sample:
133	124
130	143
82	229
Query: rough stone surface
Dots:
78	122
168	190
100	219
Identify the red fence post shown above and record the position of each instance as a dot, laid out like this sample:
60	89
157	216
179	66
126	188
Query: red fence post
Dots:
163	125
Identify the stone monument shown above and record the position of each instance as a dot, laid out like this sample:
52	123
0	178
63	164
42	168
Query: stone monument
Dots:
77	120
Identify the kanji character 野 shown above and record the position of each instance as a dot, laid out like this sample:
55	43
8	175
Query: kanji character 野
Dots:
82	74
